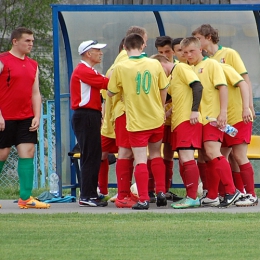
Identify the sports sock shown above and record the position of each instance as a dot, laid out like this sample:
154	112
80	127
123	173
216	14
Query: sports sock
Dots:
191	173
1	165
158	167
203	174
168	174
213	179
221	189
237	178
141	178
151	178
123	178
25	173
247	174
103	177
131	170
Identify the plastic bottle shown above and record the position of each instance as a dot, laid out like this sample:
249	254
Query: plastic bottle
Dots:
54	184
228	129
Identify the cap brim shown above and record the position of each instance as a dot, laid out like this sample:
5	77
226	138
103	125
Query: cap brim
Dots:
99	46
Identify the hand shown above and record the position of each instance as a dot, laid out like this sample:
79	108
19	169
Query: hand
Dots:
2	123
246	115
35	124
222	120
194	117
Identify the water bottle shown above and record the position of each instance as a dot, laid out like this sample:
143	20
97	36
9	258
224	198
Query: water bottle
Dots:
228	129
54	184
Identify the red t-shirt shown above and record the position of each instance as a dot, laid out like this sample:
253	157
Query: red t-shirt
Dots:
16	83
85	86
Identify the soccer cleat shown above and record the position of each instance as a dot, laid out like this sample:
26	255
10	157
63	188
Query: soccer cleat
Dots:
229	199
113	199
186	203
134	197
161	199
179	201
141	205
172	196
207	202
124	203
32	203
204	194
152	197
247	201
92	203
103	197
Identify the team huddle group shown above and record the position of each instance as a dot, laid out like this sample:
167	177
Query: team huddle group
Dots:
160	104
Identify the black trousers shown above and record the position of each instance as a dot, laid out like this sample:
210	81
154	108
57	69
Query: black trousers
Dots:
86	124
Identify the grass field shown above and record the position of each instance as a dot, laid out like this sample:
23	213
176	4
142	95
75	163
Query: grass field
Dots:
134	236
129	236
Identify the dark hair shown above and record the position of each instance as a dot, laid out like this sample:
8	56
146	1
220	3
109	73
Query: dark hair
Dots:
18	32
176	41
137	30
121	45
207	30
161	41
133	41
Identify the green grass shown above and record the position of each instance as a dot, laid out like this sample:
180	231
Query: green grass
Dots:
131	236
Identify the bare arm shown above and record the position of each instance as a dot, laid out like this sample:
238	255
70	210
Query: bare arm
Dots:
223	98
36	103
163	93
250	91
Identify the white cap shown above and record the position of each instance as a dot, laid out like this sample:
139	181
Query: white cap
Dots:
85	46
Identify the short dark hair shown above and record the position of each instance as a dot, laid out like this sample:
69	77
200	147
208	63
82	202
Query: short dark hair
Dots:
133	41
207	30
161	41
176	41
18	32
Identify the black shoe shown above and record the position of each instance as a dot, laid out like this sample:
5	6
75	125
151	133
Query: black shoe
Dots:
173	197
141	205
229	199
152	197
92	203
161	199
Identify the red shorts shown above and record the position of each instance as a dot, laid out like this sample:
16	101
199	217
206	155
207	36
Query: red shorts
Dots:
142	138
122	137
211	133
108	144
186	135
167	134
243	135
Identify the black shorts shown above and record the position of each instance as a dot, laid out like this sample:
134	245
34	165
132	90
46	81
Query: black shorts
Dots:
17	132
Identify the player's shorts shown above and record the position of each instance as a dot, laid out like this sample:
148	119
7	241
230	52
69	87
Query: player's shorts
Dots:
211	133
108	144
186	135
142	138
243	135
122	136
167	134
17	132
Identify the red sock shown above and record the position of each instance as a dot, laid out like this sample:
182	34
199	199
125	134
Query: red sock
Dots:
141	178
221	189
131	171
247	174
103	177
191	173
223	169
203	174
151	179
123	178
158	169
237	178
181	170
213	179
168	174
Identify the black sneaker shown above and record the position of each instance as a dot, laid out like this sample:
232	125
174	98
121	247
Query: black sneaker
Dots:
152	197
161	199
229	199
173	197
141	205
92	203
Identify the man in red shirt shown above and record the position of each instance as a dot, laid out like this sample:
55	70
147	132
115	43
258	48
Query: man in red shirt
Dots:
20	110
85	86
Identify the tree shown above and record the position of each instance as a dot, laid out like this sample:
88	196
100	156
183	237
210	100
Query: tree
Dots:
35	15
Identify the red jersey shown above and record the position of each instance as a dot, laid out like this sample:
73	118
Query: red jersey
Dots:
16	83
85	86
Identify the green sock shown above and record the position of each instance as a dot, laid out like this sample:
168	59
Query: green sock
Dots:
25	172
1	165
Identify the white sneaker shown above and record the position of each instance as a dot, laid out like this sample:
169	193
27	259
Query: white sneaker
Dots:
247	201
113	199
207	202
204	194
